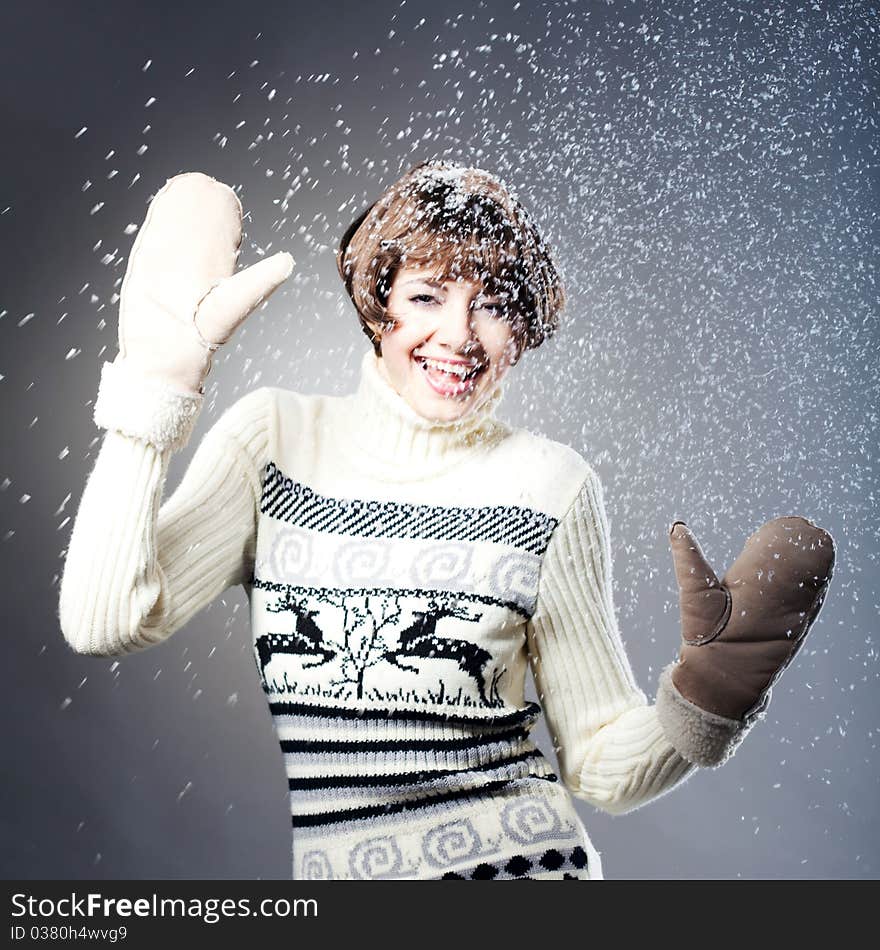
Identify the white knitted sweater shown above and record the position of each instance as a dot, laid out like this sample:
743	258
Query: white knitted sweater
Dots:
346	519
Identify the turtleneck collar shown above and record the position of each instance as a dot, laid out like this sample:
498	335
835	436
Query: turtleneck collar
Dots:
389	437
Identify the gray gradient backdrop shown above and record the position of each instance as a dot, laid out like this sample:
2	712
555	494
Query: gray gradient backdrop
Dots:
708	174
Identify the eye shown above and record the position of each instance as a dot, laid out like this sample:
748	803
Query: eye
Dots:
422	298
495	308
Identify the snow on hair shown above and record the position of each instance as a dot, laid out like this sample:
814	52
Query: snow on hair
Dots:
465	222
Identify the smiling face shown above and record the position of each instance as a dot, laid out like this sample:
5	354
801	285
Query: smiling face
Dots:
450	343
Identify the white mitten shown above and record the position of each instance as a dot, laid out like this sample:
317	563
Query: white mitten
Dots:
180	301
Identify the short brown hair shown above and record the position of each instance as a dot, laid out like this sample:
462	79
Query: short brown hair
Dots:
469	224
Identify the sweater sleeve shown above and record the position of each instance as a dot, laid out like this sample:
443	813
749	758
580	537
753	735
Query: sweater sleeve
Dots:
137	570
611	747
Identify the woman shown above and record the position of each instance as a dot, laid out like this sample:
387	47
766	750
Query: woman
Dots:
406	554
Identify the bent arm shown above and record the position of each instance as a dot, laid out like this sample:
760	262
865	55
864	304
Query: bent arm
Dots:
137	570
612	749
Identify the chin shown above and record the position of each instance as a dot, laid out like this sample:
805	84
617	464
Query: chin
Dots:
451	415
455	410
442	410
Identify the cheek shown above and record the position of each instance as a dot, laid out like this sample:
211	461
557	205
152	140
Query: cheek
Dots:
497	340
410	330
399	343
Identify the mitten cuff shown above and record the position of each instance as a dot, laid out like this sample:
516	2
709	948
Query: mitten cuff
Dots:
145	408
703	738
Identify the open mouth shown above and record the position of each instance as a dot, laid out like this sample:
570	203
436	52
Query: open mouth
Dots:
449	378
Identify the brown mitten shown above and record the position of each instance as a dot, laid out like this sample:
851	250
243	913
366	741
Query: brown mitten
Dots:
740	633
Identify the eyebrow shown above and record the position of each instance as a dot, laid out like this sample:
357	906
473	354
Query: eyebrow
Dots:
427	280
439	284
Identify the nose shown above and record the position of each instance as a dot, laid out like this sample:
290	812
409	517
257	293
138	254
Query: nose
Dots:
456	328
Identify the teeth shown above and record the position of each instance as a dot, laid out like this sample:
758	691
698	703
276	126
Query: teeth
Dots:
457	369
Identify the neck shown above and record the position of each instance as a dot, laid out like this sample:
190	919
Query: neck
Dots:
389	436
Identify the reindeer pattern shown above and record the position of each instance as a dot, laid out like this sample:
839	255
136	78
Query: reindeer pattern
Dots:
381	645
356	601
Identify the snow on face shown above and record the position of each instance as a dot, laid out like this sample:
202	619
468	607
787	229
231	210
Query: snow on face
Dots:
448	347
469	224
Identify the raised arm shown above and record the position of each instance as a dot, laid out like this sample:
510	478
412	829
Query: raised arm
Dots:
612	749
137	570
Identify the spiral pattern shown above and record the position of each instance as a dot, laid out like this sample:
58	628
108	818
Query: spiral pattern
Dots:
514	576
453	841
316	867
442	564
374	858
291	556
359	561
529	820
